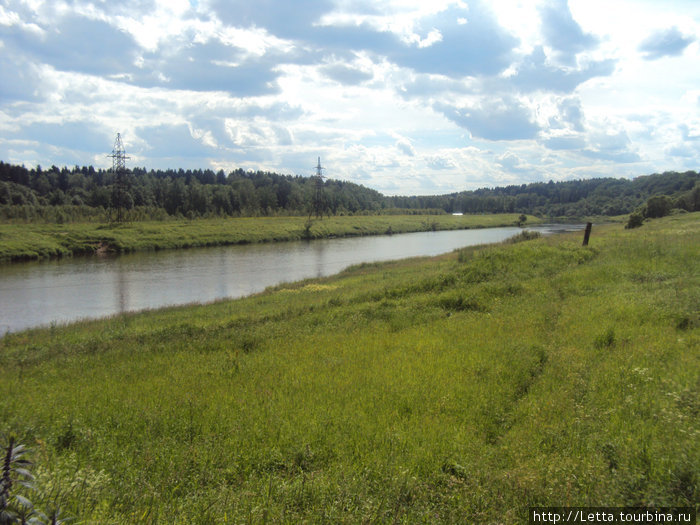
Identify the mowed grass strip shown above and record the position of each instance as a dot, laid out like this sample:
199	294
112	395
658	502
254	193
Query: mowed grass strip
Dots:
462	388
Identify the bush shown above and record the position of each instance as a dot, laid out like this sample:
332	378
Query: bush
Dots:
658	206
635	221
525	235
690	200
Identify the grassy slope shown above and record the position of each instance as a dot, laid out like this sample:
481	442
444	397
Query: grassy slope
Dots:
462	388
39	241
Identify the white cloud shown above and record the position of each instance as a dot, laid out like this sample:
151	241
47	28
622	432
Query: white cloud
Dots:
666	42
405	146
502	119
404	96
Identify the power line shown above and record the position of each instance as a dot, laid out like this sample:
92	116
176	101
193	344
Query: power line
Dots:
119	158
319	205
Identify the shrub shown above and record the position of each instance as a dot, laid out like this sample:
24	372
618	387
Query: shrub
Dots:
658	206
605	340
525	235
635	221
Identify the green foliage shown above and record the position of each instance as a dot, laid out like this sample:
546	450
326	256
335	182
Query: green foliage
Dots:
658	206
461	388
662	205
15	506
605	340
525	235
635	221
565	199
32	194
690	200
40	241
83	193
15	473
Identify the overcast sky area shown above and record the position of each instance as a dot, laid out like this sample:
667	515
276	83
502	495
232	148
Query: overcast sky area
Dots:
407	97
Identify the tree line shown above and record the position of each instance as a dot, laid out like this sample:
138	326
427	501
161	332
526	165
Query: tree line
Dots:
85	193
575	198
662	205
179	193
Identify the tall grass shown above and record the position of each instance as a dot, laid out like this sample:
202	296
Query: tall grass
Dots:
462	388
40	241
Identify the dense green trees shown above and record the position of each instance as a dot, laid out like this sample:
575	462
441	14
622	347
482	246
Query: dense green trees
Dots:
192	193
689	200
661	205
577	198
64	194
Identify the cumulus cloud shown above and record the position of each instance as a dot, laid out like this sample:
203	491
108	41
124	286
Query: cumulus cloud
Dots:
208	67
345	74
401	92
76	136
571	113
683	150
292	20
439	162
478	47
688	134
405	147
565	142
562	32
441	43
611	145
75	43
175	140
667	42
535	73
512	163
494	119
20	79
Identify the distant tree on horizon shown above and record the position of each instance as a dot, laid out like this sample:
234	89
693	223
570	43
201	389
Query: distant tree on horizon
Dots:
38	193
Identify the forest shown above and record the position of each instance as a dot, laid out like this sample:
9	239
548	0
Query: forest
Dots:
575	198
85	193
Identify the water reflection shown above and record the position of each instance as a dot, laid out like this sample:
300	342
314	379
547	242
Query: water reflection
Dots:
33	294
121	292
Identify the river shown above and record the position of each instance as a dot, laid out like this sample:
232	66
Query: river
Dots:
59	291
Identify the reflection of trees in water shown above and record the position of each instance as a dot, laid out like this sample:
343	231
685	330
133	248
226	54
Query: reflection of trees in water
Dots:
319	248
98	287
122	288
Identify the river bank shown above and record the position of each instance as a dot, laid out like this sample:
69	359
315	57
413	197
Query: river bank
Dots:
23	242
462	388
69	289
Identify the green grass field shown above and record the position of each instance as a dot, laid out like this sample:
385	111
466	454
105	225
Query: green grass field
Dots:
41	241
457	389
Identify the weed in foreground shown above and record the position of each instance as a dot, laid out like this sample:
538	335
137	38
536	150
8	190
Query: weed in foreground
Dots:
15	506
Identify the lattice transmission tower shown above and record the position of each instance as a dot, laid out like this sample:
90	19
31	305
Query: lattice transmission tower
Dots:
319	204
119	158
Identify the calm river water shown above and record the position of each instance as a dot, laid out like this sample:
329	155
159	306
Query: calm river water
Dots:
40	293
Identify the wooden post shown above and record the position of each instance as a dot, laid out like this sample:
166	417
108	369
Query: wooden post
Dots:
587	234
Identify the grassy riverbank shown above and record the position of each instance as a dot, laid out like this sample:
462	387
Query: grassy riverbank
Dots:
463	388
41	241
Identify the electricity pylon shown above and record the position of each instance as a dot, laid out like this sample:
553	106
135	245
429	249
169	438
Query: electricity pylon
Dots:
319	205
119	169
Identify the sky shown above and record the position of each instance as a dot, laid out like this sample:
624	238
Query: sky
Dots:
407	97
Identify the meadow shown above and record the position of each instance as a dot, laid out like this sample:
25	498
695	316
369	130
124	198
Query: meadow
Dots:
457	389
31	241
